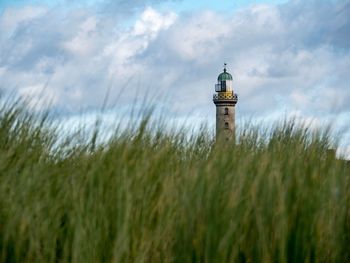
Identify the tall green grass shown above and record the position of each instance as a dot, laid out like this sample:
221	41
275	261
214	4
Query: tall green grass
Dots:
154	196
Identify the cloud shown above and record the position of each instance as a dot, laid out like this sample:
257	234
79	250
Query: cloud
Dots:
270	58
292	57
78	56
126	7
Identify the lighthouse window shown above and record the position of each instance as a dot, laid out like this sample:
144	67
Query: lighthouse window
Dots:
226	125
226	111
223	86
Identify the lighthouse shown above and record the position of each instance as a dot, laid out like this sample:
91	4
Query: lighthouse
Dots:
225	101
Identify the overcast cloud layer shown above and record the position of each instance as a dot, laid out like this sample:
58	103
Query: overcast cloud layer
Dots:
289	59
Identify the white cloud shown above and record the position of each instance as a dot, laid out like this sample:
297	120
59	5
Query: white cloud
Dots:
284	58
135	41
198	37
38	96
12	17
85	40
151	22
82	57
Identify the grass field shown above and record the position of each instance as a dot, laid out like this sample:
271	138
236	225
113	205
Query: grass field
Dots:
153	196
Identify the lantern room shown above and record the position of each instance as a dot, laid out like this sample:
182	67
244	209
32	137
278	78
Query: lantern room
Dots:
225	83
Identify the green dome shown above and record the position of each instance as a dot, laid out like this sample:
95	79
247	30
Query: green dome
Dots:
225	76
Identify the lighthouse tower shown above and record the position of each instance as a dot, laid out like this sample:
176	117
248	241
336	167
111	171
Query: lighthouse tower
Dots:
225	100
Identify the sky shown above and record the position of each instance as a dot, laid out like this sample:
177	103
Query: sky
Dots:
288	58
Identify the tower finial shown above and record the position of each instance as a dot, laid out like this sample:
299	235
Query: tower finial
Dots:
225	64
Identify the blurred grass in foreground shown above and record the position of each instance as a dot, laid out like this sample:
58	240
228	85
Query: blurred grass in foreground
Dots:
151	196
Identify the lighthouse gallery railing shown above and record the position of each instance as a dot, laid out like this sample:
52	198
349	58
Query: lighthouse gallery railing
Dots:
225	96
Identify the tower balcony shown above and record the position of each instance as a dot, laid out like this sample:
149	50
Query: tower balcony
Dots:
225	97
